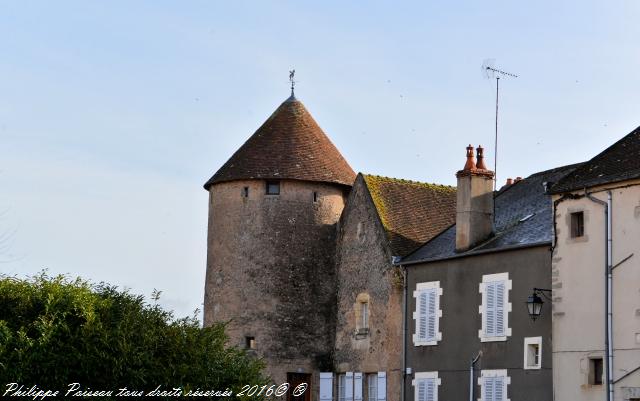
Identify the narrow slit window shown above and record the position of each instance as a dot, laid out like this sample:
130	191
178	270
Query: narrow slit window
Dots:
273	187
315	196
245	192
250	342
577	224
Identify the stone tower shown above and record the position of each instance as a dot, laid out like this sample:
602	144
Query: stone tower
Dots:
273	210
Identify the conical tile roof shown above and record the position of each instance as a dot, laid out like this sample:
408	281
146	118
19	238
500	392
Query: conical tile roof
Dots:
289	145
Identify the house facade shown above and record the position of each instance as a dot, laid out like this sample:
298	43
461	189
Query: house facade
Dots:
469	334
604	192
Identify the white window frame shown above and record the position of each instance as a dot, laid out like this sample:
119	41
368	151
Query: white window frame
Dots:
421	376
506	307
488	374
421	288
532	341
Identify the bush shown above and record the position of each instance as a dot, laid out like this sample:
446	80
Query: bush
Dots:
56	331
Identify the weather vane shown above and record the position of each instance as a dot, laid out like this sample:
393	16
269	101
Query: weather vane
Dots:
292	73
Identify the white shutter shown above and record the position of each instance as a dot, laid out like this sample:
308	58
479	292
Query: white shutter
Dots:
422	390
487	389
500	311
431	390
357	386
382	386
326	386
498	389
348	386
490	310
422	316
432	314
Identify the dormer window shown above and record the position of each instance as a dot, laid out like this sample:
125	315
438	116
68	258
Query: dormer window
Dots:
273	187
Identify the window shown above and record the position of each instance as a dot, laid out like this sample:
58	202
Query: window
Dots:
577	224
342	378
372	387
326	386
495	307
273	187
426	386
363	324
494	385
595	371
250	342
245	192
532	352
315	196
427	314
361	311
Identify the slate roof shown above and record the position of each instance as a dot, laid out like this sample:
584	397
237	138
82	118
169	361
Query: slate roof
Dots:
523	218
289	145
619	162
411	212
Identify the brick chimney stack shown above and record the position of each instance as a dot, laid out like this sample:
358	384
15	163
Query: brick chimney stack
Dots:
474	210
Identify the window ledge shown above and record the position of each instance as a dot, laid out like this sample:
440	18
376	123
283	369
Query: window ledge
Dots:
492	339
362	333
424	343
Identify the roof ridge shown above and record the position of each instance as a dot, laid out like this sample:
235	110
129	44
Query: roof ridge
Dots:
407	181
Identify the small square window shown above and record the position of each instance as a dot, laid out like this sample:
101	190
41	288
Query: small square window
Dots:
273	187
595	371
577	224
250	342
532	352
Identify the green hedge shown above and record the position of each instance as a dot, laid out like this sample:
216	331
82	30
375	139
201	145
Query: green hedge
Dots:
56	331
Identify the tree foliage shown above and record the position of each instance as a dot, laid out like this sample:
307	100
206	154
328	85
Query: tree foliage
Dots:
55	331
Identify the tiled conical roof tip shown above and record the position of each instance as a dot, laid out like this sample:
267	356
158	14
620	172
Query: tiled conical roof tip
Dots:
289	145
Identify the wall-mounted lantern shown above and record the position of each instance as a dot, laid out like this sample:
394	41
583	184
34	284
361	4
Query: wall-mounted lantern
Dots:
534	302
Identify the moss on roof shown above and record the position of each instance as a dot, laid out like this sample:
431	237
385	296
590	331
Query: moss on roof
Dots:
411	212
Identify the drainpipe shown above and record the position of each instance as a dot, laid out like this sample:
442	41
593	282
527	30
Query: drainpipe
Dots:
404	332
471	375
608	290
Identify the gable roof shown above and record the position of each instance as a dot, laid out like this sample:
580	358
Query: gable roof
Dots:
523	218
411	212
619	162
289	145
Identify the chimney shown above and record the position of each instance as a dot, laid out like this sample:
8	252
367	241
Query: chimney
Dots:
474	210
509	181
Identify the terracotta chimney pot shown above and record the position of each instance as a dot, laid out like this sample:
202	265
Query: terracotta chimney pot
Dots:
480	159
509	181
470	164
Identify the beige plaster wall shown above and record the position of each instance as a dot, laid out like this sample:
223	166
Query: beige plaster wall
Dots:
578	276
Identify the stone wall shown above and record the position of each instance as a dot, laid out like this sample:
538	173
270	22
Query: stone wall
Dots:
271	271
365	272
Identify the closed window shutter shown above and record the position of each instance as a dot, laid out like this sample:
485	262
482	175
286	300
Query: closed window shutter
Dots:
500	311
422	390
422	316
487	389
431	315
431	390
357	386
382	386
498	389
326	386
490	325
348	387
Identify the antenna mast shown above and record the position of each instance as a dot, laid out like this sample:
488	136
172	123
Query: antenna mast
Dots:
489	71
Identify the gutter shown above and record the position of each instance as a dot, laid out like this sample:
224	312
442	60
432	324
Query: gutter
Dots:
608	289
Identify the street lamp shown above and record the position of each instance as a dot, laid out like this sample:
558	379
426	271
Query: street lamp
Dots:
534	302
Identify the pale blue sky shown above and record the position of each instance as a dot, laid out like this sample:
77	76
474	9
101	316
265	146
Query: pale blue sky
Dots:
114	113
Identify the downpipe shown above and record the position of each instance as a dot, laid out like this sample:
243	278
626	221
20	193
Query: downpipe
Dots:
471	375
608	288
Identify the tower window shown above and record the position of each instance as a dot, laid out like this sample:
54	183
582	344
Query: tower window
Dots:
245	192
315	196
577	224
363	323
250	342
273	187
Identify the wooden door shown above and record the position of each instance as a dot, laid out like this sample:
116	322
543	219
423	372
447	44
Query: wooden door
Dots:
295	380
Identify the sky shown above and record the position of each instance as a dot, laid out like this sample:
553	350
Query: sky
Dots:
113	114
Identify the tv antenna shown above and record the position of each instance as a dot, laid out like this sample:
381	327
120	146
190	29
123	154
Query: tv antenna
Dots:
489	72
292	73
